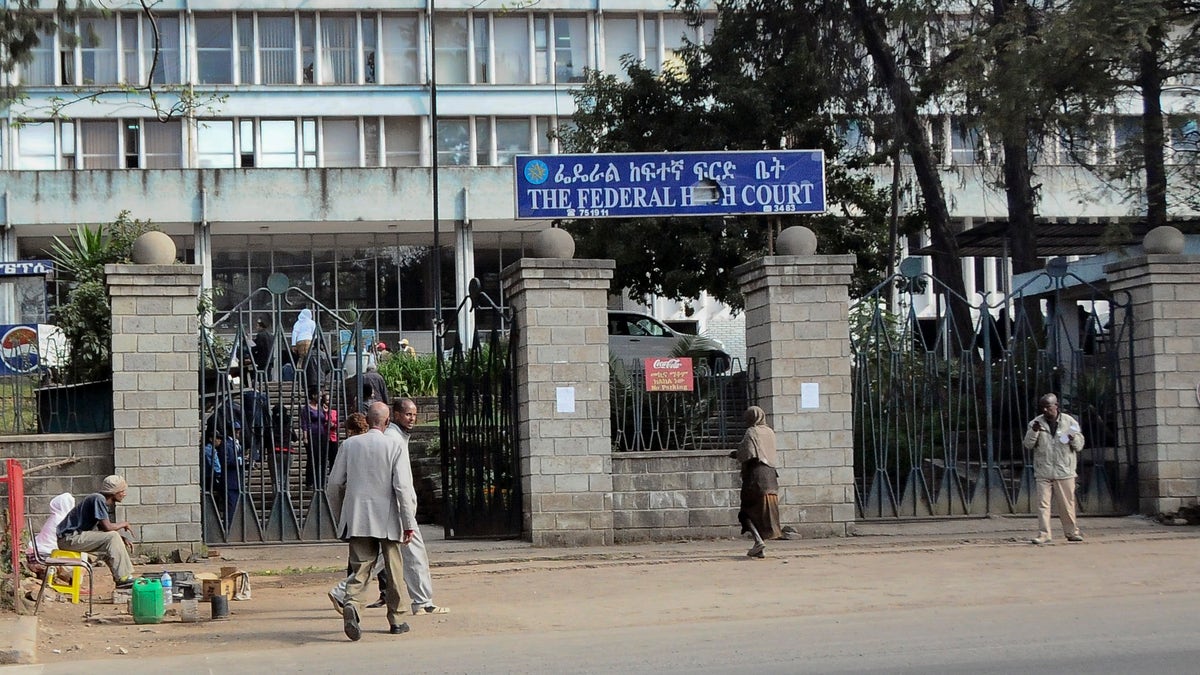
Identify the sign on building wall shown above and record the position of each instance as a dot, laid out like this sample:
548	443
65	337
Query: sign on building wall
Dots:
26	268
669	374
624	185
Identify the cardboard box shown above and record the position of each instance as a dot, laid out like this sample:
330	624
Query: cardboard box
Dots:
213	587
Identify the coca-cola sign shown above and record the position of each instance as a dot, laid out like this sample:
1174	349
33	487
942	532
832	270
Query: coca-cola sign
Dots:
669	373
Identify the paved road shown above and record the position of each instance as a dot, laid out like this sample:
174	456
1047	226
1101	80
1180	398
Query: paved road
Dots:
1147	633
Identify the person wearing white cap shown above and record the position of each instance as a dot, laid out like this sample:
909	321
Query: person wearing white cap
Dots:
89	528
407	349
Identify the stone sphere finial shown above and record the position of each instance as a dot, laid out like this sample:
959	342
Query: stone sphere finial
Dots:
154	248
553	243
1163	239
796	240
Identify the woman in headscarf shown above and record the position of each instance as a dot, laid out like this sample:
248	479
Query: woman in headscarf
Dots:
759	514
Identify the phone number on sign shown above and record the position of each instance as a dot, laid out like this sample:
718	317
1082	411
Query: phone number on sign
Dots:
584	213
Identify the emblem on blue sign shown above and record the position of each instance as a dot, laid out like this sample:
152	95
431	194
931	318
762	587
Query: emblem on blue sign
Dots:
537	172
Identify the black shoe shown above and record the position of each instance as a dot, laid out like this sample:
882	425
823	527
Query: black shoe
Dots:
399	630
378	603
127	582
350	623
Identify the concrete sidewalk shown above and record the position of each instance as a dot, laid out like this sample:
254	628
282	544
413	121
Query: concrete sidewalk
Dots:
18	635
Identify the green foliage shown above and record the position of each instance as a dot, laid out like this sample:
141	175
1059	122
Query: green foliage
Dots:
410	375
86	317
760	84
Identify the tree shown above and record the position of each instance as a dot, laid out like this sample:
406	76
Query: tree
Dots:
86	317
760	83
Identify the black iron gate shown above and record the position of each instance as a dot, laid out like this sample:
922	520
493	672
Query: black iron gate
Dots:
939	415
481	482
271	414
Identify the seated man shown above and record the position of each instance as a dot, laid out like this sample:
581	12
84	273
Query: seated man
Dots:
88	528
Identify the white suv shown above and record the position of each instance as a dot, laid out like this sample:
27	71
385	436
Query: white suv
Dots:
633	337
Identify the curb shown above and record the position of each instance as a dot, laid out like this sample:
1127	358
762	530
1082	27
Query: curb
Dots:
19	644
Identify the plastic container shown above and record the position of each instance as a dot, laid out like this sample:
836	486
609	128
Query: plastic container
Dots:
220	607
146	604
168	590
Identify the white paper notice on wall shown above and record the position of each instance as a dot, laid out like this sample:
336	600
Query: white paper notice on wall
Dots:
565	399
810	395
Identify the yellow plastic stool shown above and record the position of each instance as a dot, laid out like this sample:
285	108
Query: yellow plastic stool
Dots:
75	586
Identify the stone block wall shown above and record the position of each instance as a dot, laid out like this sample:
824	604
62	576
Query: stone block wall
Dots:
797	329
667	495
1164	291
74	463
559	309
156	434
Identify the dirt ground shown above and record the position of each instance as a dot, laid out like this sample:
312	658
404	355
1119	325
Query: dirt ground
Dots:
644	586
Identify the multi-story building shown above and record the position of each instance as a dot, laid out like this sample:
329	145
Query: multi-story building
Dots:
302	138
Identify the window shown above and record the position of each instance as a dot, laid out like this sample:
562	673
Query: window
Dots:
309	133
512	139
1185	139
308	49
245	49
369	47
512	49
214	49
482	72
98	39
676	35
277	49
620	39
570	48
402	141
400	45
453	142
543	137
650	41
1127	135
542	71
339	49
35	146
246	158
214	144
163	143
132	145
40	68
131	53
167	69
278	143
451	49
371	141
963	142
340	142
483	141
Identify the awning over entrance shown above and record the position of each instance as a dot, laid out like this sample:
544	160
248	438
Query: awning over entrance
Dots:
1057	237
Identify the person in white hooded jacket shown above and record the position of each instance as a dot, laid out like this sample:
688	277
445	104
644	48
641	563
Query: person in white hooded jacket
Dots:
302	334
47	537
1055	439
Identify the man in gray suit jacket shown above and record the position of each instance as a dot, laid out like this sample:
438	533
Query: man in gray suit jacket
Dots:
371	482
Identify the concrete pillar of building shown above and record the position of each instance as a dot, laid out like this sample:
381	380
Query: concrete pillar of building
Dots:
797	332
1163	290
564	433
156	427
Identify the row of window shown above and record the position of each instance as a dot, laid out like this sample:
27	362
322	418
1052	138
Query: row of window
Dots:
955	142
291	142
272	48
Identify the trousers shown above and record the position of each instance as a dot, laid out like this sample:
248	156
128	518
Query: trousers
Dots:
108	545
364	552
1063	492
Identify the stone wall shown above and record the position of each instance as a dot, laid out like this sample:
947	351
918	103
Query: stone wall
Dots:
156	419
661	496
1164	291
74	463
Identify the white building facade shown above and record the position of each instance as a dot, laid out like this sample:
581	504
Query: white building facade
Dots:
302	140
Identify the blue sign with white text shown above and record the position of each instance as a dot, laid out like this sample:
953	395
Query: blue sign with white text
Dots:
26	268
624	185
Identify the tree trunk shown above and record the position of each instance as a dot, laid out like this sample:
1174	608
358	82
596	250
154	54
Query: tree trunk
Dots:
947	263
1150	80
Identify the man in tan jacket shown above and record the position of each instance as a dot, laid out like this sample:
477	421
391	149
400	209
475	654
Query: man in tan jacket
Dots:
1056	440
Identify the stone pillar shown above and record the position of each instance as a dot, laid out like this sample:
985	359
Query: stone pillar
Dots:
797	330
1164	290
560	310
156	418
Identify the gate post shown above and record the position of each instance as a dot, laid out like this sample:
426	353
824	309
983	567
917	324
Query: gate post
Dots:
797	330
1164	288
563	426
156	436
